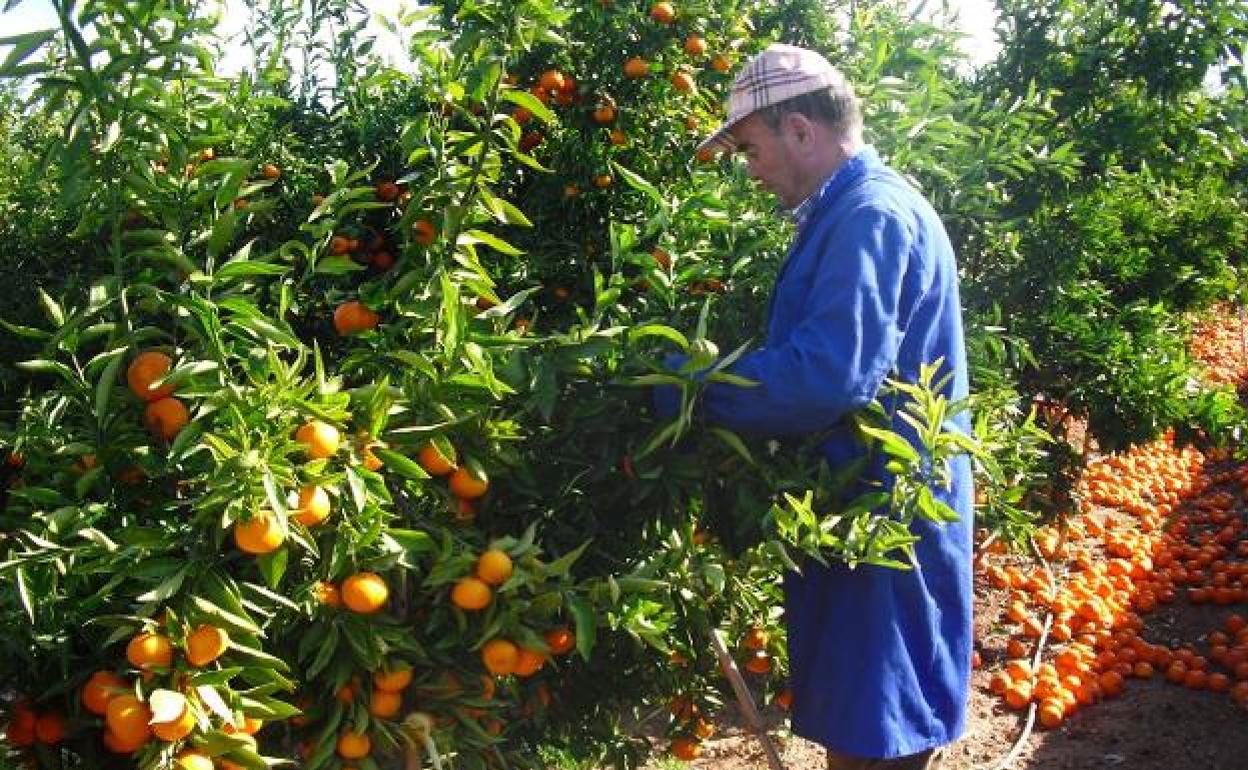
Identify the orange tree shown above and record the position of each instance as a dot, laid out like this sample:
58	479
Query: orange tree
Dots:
346	449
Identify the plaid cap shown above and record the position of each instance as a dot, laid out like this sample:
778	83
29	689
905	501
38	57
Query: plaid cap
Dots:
778	73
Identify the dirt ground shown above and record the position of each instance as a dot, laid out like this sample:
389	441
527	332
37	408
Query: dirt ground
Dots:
1153	725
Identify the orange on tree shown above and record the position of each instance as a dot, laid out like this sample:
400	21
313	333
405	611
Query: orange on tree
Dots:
128	718
560	640
260	534
602	181
20	731
193	760
683	82
145	369
354	317
50	728
166	418
353	745
494	566
383	704
327	594
721	63
636	67
618	137
148	650
388	191
320	440
604	114
100	689
180	725
467	486
500	656
755	639
551	80
433	461
393	679
663	12
758	663
205	644
271	171
424	232
339	245
528	662
313	506
471	594
695	45
365	592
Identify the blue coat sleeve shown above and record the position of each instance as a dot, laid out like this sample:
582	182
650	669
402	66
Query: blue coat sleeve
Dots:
845	342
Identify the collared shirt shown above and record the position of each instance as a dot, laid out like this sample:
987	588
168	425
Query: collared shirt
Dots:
879	658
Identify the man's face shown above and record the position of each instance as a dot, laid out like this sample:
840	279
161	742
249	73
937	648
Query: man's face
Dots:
770	159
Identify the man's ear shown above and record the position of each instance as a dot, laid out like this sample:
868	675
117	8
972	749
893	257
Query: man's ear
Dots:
799	126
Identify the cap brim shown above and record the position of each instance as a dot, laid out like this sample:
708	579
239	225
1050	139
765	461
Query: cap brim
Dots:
721	140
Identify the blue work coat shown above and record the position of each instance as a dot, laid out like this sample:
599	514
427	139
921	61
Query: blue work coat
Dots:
879	658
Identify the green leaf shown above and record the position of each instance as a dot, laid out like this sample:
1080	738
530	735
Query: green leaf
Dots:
586	625
401	463
658	330
530	103
493	241
104	388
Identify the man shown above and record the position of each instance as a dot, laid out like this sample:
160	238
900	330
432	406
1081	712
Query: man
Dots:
880	658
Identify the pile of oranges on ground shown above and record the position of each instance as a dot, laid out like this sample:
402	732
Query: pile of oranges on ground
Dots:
1157	524
1220	344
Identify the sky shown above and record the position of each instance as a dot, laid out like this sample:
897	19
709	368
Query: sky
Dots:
976	22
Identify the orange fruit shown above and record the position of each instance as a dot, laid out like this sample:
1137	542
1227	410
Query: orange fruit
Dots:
127	717
271	171
339	245
756	639
166	418
471	594
466	486
663	13
636	67
602	181
500	656
384	704
551	80
313	506
560	640
695	46
176	729
387	191
758	663
784	699
365	592
528	662
604	114
494	567
618	138
260	534
205	644
148	650
683	82
433	461
117	745
100	689
319	439
353	745
193	760
721	63
394	679
354	317
50	728
424	232
327	593
145	369
687	749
